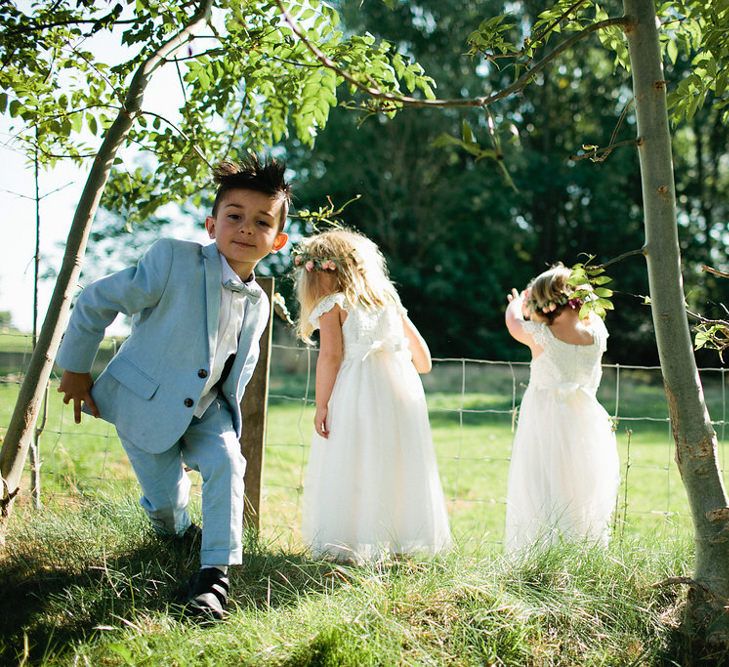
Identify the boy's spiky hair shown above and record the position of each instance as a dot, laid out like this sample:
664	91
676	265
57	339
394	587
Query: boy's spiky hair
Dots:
253	174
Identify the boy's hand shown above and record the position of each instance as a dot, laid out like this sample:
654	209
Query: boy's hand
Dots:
76	387
320	421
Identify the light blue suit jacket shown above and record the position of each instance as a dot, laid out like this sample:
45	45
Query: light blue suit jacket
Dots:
150	388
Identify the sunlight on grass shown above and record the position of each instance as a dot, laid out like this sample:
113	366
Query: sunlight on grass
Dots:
98	588
472	433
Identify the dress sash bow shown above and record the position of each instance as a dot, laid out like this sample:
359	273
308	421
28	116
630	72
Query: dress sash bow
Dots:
391	344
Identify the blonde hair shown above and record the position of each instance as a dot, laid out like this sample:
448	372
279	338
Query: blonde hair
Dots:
359	272
550	288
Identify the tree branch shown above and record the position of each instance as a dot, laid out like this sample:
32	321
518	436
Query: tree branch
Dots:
713	271
236	125
194	146
216	51
601	154
545	31
92	64
25	30
406	100
625	255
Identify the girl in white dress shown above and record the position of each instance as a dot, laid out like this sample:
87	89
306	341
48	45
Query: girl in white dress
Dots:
371	486
563	478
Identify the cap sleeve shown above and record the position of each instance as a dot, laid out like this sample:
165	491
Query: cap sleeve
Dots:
537	330
325	305
599	330
401	310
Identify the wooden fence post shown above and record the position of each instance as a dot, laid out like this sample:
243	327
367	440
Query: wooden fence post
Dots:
254	409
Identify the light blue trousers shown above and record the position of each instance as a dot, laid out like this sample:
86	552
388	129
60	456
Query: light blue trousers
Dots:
211	447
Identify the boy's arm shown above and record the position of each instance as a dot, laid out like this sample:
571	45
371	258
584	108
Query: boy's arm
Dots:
129	291
76	387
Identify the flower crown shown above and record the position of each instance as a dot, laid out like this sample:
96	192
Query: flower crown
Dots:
573	301
312	263
586	292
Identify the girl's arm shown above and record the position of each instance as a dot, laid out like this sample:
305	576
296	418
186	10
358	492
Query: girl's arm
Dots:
331	350
515	318
418	347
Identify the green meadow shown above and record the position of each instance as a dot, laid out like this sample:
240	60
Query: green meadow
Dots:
88	583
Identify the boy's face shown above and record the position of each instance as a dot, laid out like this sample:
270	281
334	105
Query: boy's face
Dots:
246	228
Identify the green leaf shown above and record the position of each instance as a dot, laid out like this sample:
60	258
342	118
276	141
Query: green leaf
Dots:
467	133
701	339
427	91
672	51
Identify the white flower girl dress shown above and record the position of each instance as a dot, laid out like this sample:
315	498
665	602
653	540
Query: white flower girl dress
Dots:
372	487
564	473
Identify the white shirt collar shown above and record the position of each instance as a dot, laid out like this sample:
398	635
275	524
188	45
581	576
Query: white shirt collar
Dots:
229	274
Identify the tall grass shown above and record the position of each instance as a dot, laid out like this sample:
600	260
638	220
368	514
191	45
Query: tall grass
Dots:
94	586
84	581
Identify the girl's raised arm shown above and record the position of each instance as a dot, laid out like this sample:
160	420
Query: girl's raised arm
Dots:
515	319
331	350
418	347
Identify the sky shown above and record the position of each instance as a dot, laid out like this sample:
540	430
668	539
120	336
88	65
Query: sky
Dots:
16	202
60	189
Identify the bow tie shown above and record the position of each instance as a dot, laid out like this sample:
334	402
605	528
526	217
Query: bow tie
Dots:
246	289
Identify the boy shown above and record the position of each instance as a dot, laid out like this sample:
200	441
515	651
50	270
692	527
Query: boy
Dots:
173	389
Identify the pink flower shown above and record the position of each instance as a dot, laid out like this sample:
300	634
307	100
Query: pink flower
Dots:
329	265
297	260
552	307
309	265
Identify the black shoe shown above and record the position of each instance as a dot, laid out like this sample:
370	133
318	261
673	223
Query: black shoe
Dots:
207	596
192	536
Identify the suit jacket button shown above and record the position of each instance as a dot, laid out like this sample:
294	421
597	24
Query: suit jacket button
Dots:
202	373
188	402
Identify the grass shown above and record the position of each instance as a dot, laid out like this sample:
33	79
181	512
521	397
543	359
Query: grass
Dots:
96	587
86	582
472	430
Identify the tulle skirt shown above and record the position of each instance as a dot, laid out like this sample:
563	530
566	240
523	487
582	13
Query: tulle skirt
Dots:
564	473
372	488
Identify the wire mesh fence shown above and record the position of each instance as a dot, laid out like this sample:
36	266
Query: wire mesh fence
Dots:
473	405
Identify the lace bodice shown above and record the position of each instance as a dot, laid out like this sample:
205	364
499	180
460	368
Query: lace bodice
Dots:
366	330
564	366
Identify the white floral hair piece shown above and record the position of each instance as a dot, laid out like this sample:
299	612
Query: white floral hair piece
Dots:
574	302
310	263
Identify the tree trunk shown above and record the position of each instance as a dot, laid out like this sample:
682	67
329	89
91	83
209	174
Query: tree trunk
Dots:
20	430
696	445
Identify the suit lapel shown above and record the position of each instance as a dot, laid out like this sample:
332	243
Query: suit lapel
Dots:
213	281
248	330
